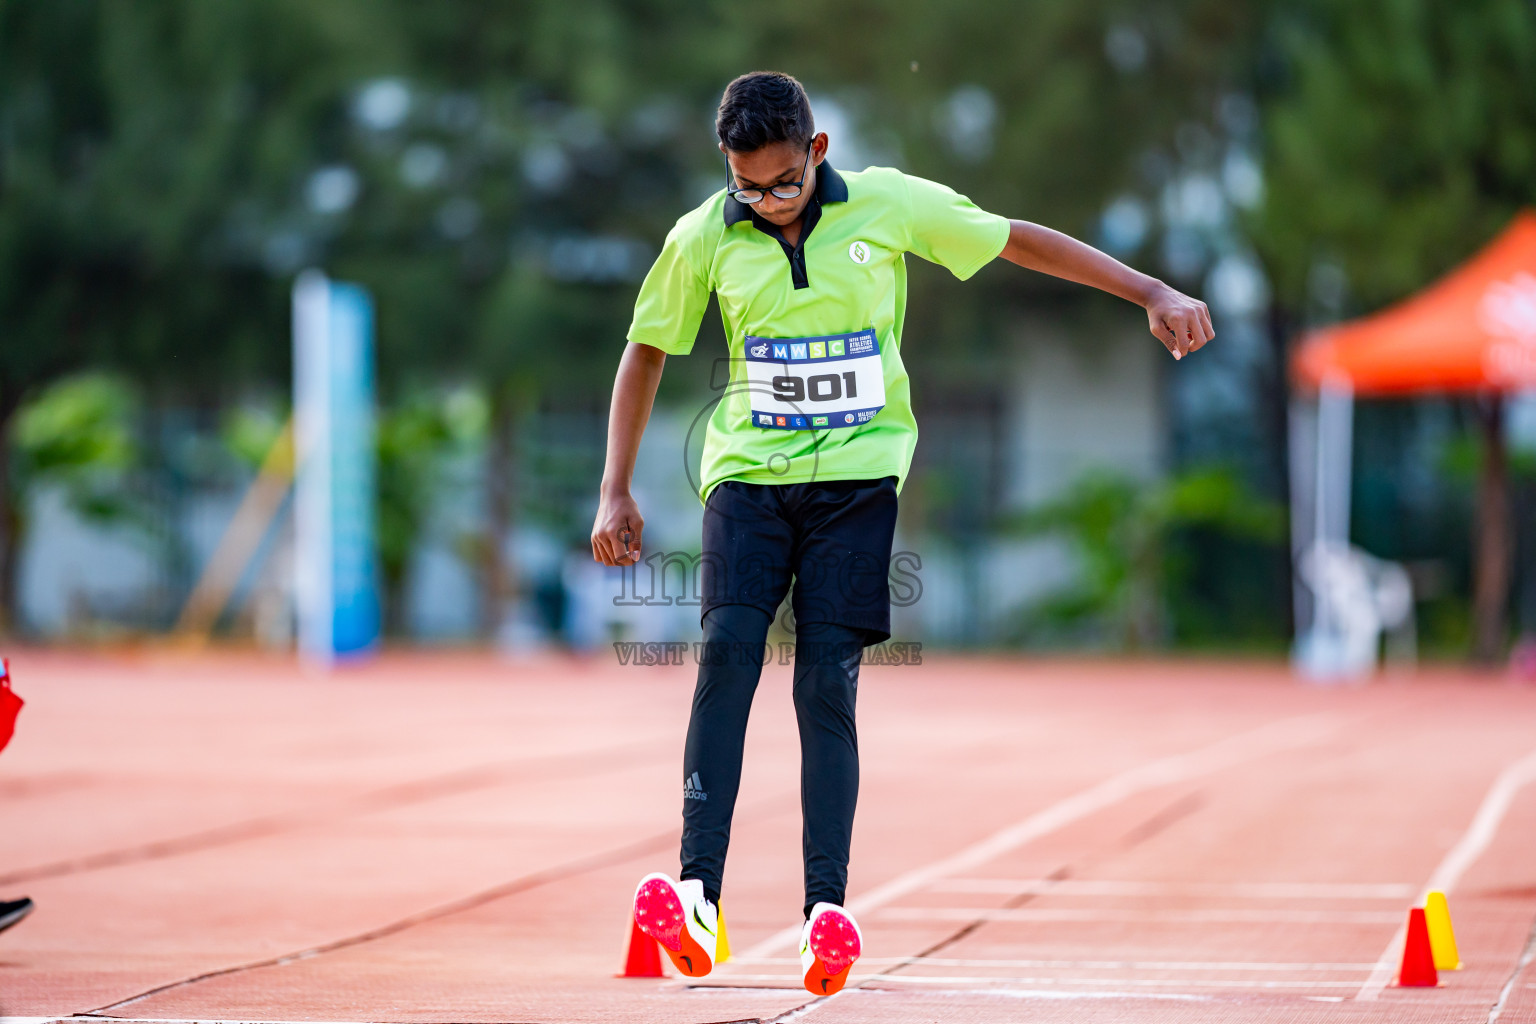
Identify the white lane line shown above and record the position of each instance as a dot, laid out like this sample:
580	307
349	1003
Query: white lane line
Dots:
1526	959
93	1018
1227	890
1082	965
790	982
1479	834
967	993
1045	993
1246	746
1236	915
802	1010
1107	982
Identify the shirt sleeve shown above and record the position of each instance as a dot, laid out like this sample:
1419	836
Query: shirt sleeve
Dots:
948	229
672	298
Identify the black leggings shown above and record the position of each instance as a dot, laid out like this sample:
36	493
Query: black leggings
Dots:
826	682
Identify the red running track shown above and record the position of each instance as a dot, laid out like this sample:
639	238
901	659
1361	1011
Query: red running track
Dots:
455	839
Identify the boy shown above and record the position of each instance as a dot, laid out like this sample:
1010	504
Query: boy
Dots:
803	459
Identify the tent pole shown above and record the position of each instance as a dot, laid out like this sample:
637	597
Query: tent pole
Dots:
1302	454
1335	443
1322	612
1340	397
1493	540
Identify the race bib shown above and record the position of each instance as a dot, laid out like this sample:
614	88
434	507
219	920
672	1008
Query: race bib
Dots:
815	383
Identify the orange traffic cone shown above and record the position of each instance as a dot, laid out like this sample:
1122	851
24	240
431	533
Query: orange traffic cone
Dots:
1418	969
643	958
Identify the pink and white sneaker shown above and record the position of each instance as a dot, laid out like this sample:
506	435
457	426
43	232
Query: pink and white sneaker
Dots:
829	945
677	915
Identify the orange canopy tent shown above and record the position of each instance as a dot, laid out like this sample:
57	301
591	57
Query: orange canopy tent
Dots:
1474	330
1471	332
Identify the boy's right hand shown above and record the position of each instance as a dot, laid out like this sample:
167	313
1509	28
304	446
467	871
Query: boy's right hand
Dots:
616	531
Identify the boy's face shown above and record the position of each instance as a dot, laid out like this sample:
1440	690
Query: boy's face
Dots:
777	163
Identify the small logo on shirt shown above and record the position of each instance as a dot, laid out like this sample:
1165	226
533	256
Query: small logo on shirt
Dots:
859	252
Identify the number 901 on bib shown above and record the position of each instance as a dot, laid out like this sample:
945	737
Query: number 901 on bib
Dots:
824	383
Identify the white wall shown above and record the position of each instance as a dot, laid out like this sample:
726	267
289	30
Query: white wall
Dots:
1081	407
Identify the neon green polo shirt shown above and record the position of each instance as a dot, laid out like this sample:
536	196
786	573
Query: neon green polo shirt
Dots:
846	277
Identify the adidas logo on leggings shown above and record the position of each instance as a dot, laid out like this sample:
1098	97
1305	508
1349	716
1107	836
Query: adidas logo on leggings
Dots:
693	789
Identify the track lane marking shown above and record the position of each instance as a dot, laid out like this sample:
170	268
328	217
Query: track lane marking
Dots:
1231	890
1269	738
397	795
1272	737
1107	982
521	884
1526	959
1472	844
788	984
1088	965
93	1018
524	883
1216	915
1005	993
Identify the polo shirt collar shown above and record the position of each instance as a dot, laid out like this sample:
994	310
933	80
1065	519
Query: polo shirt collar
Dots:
830	188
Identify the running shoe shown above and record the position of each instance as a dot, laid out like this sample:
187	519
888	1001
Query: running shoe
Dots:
12	911
830	944
677	915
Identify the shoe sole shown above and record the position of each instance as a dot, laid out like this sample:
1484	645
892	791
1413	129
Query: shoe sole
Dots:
659	913
836	945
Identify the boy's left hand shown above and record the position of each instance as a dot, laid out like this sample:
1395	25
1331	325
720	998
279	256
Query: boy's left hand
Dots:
1181	323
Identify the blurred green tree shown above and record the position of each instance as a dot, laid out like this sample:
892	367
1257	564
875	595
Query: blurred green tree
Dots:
1399	139
76	434
1121	531
500	175
416	438
149	155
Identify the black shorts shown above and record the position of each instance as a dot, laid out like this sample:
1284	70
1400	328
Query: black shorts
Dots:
833	537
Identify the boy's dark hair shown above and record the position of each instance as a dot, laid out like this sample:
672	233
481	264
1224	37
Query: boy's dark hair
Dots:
762	108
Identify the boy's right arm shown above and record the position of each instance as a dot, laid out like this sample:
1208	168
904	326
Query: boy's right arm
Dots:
634	390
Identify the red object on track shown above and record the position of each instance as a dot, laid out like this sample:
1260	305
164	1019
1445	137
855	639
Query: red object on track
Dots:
1418	969
643	958
10	704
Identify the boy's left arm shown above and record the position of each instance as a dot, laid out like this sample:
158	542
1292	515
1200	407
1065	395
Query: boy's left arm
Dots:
1181	323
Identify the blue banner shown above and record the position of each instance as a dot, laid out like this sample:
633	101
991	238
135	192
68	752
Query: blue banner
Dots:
337	573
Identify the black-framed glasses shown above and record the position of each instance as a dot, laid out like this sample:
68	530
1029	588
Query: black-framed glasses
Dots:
783	190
